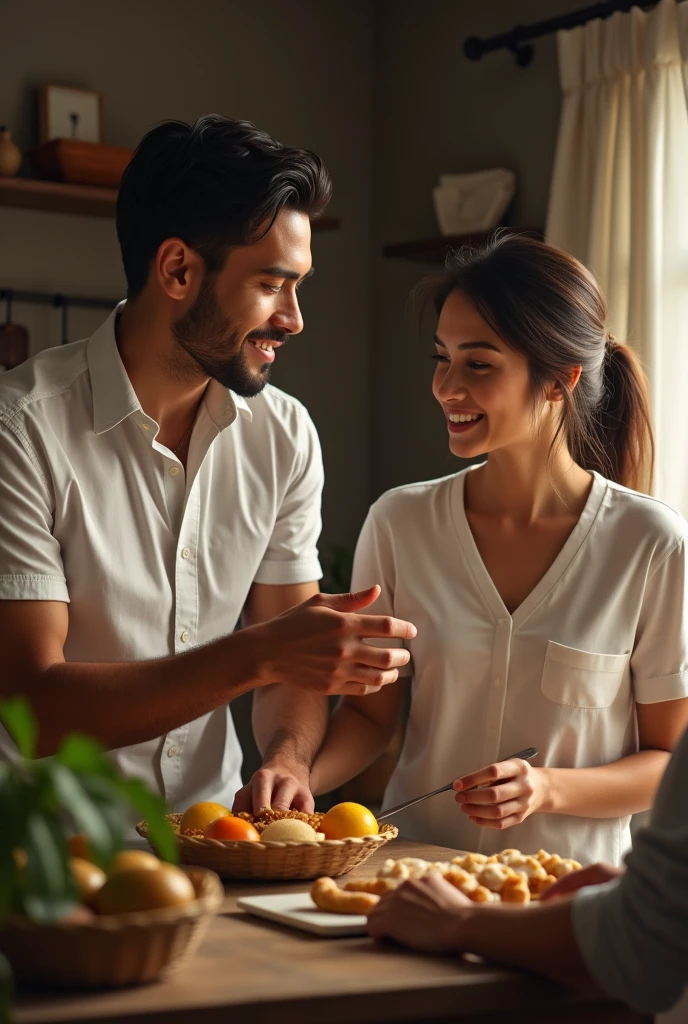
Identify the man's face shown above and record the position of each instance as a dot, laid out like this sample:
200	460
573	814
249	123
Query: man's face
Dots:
243	313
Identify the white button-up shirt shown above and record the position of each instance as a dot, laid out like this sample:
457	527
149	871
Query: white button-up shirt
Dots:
152	558
605	627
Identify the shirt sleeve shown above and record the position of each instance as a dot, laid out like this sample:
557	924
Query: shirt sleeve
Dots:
374	563
31	566
292	552
660	655
633	932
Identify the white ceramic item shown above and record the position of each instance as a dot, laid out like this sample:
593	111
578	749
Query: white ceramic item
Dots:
297	910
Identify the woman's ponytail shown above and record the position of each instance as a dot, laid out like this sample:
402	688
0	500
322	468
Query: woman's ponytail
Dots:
618	441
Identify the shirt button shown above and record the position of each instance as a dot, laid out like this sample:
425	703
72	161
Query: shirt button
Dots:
184	636
172	752
501	622
496	682
186	552
145	426
174	470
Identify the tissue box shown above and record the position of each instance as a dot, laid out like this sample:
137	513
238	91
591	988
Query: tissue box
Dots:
466	203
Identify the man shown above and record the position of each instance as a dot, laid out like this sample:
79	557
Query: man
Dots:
626	931
153	487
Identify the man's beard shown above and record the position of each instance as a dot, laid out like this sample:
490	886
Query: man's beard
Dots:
207	335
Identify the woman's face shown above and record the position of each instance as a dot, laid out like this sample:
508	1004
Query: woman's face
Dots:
482	385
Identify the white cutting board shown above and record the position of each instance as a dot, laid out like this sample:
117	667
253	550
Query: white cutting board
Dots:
298	910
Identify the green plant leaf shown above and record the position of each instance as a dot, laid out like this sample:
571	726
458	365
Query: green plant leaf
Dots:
18	719
6	989
104	831
84	754
153	809
49	890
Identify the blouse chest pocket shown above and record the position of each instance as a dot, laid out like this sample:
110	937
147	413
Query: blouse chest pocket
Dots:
581	679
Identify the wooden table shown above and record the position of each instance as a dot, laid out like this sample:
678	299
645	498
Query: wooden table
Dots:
248	971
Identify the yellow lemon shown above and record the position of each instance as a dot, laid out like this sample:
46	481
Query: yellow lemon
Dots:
199	816
126	859
349	821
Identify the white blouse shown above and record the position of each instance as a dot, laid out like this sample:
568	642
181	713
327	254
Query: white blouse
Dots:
607	626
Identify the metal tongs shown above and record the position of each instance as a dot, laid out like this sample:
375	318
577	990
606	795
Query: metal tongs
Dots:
524	755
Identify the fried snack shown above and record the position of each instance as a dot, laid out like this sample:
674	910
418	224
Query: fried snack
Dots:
472	862
483	895
515	890
268	815
462	880
538	885
327	895
376	886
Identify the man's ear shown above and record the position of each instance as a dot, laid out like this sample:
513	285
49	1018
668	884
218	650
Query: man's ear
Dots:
555	391
179	270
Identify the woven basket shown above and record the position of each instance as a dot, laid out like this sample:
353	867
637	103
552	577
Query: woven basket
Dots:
113	950
276	861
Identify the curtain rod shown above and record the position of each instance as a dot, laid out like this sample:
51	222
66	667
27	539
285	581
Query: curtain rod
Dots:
517	39
55	299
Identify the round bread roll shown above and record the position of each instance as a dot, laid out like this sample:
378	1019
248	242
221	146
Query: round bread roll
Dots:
288	830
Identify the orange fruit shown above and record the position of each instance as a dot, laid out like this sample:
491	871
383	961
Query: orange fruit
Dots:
88	877
349	821
78	847
199	815
126	859
133	889
229	827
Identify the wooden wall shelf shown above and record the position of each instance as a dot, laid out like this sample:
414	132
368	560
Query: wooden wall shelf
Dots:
85	200
434	250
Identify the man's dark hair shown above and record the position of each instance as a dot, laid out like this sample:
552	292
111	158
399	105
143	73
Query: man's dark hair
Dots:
214	184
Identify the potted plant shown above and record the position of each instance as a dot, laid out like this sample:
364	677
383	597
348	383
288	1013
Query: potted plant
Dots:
43	802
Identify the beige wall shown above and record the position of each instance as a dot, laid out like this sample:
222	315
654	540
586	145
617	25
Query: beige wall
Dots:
302	71
437	112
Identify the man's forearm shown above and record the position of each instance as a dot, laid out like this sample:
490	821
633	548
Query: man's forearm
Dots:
608	791
538	938
289	724
130	702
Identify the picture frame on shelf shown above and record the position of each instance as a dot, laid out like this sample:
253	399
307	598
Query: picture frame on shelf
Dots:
67	112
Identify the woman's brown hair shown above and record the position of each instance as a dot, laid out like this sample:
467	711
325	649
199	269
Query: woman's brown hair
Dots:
546	305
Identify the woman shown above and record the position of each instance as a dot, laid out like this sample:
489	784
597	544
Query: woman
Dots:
548	593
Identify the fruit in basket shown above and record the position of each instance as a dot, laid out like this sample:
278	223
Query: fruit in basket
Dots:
198	816
229	827
78	847
349	821
288	830
126	859
88	877
136	889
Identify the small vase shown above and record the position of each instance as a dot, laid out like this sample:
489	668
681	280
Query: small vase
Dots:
10	154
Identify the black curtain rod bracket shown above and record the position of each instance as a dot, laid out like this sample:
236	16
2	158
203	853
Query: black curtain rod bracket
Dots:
517	40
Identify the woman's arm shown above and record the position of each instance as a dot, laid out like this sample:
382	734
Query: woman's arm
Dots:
623	787
359	731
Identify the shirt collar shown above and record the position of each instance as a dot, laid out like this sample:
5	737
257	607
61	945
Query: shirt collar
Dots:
114	397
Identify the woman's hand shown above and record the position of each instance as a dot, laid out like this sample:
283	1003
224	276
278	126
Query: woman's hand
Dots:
514	790
423	914
595	874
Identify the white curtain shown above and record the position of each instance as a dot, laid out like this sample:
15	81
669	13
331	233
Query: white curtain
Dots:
619	200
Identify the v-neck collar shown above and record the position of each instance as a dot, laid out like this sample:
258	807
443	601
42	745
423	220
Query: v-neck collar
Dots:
573	544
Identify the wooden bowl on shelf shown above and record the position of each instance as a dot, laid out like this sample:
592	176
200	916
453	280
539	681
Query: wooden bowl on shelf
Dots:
80	163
